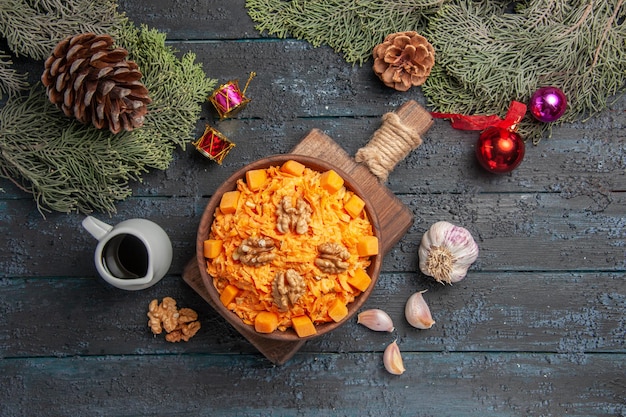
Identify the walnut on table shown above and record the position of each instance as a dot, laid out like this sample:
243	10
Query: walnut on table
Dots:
293	218
332	258
178	324
162	316
255	251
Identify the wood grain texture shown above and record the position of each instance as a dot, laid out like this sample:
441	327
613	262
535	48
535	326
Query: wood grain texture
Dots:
324	384
538	327
571	314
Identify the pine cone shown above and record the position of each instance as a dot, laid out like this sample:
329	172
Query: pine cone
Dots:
93	82
403	60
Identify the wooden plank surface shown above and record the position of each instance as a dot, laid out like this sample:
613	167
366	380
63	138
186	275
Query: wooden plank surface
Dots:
320	385
544	232
537	328
579	314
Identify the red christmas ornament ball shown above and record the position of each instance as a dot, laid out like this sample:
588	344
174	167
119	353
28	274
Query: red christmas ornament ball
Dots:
547	104
499	150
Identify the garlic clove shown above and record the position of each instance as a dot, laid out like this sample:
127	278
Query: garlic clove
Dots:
446	252
392	359
376	319
417	312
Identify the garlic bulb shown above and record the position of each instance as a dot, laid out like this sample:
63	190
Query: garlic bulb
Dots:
376	319
392	359
446	252
417	312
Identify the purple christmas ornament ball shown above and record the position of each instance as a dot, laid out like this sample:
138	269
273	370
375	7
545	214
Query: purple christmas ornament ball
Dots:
547	104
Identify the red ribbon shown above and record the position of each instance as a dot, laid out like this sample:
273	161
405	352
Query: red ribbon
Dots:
514	115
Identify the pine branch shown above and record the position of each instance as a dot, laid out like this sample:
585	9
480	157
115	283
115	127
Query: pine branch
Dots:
33	27
70	167
486	54
177	86
62	163
352	28
487	59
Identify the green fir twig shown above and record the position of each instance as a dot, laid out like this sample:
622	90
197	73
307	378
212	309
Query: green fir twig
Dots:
486	54
352	28
32	28
487	57
71	167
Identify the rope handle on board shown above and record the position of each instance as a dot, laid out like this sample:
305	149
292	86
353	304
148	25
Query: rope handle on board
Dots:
399	134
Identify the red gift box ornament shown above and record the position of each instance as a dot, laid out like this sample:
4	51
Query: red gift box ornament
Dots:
228	99
500	149
213	144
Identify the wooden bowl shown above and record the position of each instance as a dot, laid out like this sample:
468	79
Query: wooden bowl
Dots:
205	227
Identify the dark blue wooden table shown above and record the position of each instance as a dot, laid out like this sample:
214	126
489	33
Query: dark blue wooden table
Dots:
537	328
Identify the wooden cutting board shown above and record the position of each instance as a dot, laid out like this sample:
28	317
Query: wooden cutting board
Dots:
394	217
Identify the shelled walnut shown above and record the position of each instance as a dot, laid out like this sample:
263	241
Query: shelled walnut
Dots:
178	324
162	316
287	288
187	326
332	258
293	218
255	251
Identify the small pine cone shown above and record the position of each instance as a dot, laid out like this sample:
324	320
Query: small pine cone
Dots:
403	60
92	81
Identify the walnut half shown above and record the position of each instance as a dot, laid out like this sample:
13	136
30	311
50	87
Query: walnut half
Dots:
163	316
178	324
184	331
332	258
255	251
287	288
293	218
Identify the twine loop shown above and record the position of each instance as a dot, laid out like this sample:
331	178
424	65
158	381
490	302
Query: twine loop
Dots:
390	144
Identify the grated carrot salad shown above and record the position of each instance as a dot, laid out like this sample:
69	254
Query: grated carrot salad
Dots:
255	216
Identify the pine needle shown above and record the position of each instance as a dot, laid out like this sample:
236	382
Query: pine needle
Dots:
11	81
